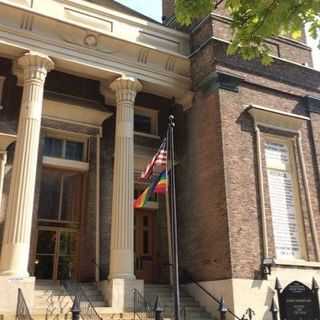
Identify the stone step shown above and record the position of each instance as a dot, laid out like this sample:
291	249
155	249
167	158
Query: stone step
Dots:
190	308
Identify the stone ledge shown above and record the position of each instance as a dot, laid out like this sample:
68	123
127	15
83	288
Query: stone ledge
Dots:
297	263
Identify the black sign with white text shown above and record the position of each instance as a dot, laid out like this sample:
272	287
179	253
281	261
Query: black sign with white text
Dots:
298	302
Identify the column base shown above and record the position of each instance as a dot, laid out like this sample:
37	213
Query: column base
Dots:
14	260
9	286
119	293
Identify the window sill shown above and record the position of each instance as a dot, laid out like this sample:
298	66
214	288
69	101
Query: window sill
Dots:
297	263
65	164
147	135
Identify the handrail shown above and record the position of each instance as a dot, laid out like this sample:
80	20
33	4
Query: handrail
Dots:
22	312
189	278
142	309
87	309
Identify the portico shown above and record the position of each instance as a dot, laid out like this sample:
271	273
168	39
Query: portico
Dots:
124	65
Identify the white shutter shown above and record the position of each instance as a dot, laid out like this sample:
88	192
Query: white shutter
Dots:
283	207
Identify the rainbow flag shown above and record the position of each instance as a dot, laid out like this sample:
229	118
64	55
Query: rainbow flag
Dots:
162	185
159	184
141	201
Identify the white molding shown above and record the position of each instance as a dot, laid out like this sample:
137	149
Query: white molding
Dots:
65	164
274	118
107	56
147	135
297	263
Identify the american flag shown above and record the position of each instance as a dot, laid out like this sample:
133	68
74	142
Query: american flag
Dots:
159	160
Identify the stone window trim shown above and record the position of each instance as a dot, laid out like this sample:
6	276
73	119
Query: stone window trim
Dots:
153	115
289	124
290	170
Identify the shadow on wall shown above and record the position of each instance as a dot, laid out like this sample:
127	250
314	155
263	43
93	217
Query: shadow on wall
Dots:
6	188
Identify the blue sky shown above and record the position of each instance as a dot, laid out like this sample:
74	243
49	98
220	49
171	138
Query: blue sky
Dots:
153	9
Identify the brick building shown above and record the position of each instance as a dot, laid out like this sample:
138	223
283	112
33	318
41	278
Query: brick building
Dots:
86	89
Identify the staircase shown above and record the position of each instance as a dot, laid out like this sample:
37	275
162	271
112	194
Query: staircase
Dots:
52	302
190	308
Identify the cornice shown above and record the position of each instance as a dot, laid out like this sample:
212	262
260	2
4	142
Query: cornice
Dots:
276	71
102	56
313	104
95	18
219	80
284	39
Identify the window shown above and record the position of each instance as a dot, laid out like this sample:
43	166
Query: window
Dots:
284	202
142	123
145	121
59	196
63	148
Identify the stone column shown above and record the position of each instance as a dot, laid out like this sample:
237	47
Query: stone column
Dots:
121	276
122	228
17	231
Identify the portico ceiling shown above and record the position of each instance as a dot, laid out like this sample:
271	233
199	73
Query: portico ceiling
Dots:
98	43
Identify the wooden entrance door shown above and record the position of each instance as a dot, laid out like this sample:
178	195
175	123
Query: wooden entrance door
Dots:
145	245
56	254
59	212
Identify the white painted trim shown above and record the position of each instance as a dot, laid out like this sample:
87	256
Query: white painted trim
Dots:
147	135
262	193
72	165
129	18
106	33
70	57
297	263
277	119
288	114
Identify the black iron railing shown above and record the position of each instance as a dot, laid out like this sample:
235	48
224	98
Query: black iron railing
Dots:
87	309
222	307
22	312
142	309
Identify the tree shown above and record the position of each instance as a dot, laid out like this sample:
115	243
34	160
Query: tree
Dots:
253	21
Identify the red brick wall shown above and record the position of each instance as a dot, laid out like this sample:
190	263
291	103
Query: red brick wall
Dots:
203	223
241	176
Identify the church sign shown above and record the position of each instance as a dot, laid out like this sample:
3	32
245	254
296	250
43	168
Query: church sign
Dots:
298	302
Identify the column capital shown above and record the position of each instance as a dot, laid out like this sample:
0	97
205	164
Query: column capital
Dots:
35	66
126	88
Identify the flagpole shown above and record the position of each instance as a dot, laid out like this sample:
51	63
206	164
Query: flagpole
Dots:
174	226
169	223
